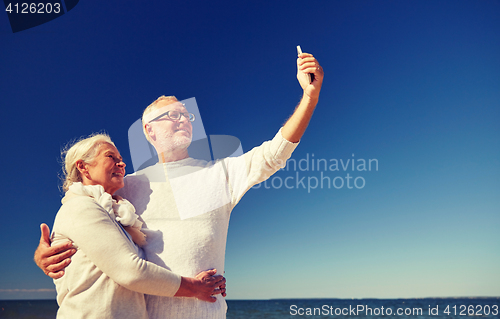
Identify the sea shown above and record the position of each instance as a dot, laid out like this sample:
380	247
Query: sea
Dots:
309	308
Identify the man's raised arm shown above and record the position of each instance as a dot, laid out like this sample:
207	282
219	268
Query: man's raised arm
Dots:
296	125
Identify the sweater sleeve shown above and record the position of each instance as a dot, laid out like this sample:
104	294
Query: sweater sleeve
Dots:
105	243
257	165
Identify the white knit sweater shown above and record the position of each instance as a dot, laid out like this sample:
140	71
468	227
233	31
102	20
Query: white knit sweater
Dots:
166	195
106	277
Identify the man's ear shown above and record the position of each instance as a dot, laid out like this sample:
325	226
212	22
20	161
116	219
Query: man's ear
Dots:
150	131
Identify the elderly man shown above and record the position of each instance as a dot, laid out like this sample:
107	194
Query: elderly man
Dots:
160	192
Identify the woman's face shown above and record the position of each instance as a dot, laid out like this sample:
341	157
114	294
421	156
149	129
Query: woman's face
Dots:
107	169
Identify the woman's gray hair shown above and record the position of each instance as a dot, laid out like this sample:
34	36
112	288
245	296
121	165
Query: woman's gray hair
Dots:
84	149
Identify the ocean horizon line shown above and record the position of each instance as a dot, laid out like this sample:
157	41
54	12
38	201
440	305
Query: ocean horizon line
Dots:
376	298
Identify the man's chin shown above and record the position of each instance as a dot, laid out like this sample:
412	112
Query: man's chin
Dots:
178	144
183	142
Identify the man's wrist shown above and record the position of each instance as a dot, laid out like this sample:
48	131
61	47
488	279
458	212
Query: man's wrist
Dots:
309	100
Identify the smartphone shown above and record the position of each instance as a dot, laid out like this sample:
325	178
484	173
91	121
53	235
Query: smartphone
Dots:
311	75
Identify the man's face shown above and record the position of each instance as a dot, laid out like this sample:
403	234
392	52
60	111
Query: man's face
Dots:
167	134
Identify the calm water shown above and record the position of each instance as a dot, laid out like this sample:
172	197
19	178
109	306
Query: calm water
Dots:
307	308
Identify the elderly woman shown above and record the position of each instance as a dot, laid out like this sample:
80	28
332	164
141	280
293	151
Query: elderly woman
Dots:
107	278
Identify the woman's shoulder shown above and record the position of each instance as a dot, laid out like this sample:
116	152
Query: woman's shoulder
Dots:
79	207
79	200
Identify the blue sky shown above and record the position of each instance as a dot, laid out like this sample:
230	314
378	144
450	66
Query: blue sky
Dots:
412	84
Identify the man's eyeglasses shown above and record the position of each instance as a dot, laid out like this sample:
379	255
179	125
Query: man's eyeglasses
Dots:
175	116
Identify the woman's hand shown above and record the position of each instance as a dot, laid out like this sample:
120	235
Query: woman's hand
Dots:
209	275
204	286
52	260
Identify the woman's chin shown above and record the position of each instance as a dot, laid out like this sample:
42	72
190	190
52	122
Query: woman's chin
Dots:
115	186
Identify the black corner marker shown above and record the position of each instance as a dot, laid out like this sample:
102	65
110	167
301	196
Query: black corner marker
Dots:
70	4
24	15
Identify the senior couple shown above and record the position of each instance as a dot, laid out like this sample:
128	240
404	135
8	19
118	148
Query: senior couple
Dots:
169	267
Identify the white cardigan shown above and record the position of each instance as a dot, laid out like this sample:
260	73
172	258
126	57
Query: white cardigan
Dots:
106	277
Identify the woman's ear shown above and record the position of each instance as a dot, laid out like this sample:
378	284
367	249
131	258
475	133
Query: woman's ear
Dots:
82	167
